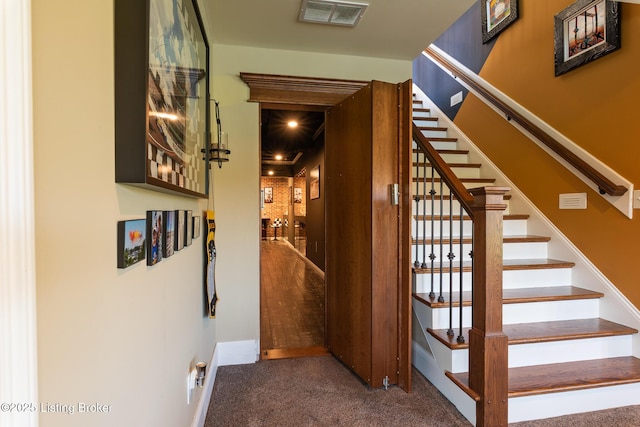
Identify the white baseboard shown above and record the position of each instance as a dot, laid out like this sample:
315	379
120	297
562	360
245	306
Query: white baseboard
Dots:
225	353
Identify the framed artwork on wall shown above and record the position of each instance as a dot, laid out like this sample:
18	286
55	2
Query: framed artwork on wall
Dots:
297	195
496	16
179	240
131	242
155	233
197	224
585	31
268	194
169	218
188	229
161	96
314	183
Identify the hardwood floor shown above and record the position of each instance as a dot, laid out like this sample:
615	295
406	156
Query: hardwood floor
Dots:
292	300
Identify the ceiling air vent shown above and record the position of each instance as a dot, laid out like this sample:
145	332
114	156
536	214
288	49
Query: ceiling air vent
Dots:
332	12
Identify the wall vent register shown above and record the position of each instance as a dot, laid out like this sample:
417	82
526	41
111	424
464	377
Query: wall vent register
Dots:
330	12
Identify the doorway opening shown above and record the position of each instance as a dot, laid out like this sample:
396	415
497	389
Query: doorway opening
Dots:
292	296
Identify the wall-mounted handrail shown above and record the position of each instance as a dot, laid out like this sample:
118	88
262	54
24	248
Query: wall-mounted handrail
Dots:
604	184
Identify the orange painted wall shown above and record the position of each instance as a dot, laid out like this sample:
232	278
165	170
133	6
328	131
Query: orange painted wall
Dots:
597	106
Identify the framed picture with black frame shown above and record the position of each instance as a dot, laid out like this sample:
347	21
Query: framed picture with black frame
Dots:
496	16
585	31
131	242
155	232
162	107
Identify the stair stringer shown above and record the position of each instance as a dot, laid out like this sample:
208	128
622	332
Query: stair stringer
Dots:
427	362
614	305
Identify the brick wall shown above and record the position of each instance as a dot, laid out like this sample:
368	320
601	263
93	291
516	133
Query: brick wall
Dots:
281	199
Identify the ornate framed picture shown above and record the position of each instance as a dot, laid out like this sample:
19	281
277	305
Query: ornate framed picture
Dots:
161	96
585	31
496	16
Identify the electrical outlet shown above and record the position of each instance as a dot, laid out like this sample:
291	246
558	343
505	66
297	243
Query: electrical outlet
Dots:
636	199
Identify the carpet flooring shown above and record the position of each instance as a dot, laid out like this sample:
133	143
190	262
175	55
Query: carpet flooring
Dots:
320	391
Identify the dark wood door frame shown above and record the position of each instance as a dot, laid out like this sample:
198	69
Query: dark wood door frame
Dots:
314	92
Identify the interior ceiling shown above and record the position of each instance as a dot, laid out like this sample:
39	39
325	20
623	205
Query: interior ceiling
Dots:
277	138
389	29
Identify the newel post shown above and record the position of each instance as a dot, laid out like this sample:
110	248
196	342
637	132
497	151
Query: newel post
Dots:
488	352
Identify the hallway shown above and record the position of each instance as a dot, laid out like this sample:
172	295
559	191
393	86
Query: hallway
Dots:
292	319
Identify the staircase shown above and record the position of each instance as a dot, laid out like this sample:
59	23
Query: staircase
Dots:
569	348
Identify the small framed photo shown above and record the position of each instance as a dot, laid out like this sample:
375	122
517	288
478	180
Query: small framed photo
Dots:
496	16
297	195
585	31
314	183
197	223
155	233
268	194
131	242
188	229
169	218
179	240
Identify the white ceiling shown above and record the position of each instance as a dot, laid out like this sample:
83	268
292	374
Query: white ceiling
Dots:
394	29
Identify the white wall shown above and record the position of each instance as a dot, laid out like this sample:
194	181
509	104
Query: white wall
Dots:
124	338
237	183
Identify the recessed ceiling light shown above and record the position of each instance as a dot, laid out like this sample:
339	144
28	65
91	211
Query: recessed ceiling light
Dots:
270	172
332	12
278	156
292	124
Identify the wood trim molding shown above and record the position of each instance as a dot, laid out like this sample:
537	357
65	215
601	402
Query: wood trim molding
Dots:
281	89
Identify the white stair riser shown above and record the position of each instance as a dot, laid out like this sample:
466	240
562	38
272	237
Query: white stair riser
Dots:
460	172
511	279
437	133
421	122
542	353
550	311
520	313
421	187
572	402
569	350
419	114
509	228
424	207
447	157
455	158
423	282
529	250
421	229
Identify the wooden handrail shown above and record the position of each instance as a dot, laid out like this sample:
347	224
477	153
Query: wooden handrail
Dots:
445	172
604	184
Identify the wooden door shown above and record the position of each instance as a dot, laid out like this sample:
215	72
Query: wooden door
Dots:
367	238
